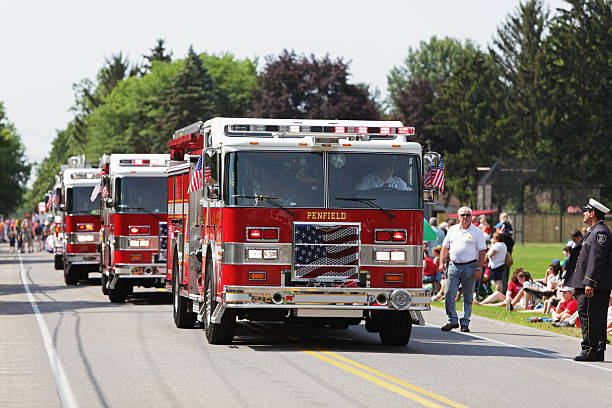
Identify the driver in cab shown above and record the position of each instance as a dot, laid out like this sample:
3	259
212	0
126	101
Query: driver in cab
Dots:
383	177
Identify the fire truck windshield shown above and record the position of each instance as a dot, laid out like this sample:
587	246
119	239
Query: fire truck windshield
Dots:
142	194
78	201
289	179
362	180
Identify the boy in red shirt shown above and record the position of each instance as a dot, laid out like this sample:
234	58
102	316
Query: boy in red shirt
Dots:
566	307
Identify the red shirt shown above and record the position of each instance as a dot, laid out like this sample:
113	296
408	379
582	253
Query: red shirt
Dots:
570	306
430	266
514	289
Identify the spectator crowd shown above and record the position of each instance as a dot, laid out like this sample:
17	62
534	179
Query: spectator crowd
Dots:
518	292
26	234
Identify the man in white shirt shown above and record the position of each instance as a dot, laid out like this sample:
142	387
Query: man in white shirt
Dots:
382	178
465	248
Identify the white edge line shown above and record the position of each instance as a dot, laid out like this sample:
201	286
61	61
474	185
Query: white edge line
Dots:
63	386
529	350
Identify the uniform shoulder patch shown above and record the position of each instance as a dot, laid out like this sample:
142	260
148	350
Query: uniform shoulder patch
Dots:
601	238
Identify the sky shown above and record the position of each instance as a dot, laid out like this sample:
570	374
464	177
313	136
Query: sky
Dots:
47	46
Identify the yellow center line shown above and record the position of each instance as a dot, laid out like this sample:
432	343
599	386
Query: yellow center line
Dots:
396	380
371	378
338	361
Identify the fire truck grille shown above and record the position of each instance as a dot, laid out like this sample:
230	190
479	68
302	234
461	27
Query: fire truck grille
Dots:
326	252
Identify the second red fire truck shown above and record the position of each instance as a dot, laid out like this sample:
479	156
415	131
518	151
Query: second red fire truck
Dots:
77	223
134	222
312	221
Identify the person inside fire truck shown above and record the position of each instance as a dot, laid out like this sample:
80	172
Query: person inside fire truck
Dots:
383	177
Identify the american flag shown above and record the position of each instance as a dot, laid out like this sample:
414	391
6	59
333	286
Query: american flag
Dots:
195	183
207	174
438	179
51	200
97	189
326	253
429	175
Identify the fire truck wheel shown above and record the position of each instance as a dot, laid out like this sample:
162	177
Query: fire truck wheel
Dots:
119	294
182	318
59	263
104	284
221	333
395	328
70	276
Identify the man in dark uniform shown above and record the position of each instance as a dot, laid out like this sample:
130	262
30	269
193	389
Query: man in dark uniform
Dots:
592	280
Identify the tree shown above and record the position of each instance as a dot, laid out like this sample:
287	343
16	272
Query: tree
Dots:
518	52
579	81
233	82
190	98
158	54
293	86
433	61
411	105
468	118
14	169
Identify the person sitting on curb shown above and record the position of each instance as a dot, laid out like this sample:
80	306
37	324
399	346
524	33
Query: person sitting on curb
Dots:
514	288
569	322
567	307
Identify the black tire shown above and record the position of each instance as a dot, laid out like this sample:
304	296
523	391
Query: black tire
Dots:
104	284
395	328
70	276
221	333
59	262
119	294
182	318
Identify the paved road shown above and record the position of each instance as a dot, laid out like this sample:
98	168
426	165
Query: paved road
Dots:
69	346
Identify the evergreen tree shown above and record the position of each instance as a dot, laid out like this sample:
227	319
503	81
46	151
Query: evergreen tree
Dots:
468	118
518	52
190	98
579	81
158	54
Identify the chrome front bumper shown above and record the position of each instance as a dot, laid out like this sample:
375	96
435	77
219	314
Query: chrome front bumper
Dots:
323	298
83	259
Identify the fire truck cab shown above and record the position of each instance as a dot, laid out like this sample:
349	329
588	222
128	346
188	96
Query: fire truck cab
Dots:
306	221
58	223
134	222
80	223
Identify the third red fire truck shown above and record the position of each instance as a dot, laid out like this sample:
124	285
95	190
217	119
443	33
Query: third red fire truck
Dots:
312	221
134	222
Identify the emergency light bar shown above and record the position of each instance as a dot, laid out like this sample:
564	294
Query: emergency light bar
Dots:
84	175
304	130
143	162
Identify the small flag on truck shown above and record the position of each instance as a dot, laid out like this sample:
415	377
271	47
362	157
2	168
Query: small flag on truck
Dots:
195	183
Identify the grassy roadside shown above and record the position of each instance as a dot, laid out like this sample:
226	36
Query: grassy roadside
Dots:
535	258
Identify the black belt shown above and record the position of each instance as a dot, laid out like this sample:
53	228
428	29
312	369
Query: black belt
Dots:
464	263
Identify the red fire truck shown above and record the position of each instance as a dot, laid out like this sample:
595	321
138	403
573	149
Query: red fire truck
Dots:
306	221
80	218
134	223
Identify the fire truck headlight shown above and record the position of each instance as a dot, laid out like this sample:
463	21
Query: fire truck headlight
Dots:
139	243
270	253
255	253
85	238
383	256
398	256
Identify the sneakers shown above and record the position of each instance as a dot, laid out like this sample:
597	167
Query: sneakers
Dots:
563	323
465	329
449	326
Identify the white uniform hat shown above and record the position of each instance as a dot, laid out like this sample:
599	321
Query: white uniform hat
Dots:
596	205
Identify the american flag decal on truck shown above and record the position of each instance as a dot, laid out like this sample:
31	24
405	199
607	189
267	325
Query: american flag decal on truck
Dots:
326	252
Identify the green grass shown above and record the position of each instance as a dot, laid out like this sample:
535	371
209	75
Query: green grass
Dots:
535	258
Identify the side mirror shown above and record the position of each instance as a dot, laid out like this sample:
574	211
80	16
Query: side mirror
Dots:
431	196
62	207
108	203
211	192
